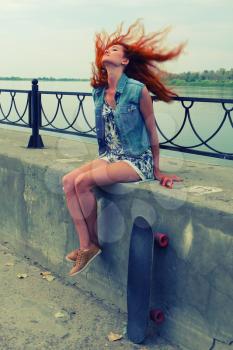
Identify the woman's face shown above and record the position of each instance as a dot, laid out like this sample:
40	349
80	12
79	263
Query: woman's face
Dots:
114	55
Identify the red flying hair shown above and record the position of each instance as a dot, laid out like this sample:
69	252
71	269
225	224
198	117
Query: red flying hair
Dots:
143	52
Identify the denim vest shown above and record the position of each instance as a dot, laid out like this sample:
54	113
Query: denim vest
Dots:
127	116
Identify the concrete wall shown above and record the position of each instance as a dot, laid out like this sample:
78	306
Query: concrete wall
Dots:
193	278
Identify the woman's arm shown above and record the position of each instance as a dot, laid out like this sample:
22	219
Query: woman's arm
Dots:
146	107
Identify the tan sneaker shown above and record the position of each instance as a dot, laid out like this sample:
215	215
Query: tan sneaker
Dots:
83	259
72	256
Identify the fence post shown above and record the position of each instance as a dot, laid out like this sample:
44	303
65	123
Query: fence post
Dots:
35	140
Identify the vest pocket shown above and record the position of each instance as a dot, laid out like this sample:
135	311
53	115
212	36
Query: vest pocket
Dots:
130	117
127	108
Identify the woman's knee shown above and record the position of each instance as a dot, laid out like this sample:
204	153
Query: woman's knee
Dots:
81	182
68	183
78	178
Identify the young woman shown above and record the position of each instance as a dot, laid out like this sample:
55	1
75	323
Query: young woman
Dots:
124	73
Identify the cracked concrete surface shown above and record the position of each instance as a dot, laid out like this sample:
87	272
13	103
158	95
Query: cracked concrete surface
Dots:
219	345
29	306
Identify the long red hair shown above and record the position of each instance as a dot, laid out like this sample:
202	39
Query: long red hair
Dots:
143	52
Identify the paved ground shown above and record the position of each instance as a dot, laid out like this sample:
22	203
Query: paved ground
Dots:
41	314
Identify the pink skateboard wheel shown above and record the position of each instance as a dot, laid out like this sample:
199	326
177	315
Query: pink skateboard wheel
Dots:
157	316
161	239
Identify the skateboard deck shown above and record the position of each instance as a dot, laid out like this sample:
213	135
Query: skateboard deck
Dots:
141	253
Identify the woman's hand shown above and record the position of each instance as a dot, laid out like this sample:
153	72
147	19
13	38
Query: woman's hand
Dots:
166	180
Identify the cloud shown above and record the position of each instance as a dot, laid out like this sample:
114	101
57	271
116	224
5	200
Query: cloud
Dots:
57	37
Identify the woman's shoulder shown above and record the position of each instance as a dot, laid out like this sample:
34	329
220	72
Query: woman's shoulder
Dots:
96	91
135	82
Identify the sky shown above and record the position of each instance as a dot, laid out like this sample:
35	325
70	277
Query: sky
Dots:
56	37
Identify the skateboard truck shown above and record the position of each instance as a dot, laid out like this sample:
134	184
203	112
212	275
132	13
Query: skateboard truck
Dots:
157	316
161	239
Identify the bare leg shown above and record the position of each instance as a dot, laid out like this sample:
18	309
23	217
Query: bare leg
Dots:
84	183
111	173
78	219
86	231
89	210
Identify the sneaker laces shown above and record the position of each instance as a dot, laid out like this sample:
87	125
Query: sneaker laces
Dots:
80	256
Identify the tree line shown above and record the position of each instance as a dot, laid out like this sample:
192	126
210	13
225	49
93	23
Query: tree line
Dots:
219	77
42	78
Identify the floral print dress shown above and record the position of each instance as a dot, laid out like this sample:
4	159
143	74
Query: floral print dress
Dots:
143	164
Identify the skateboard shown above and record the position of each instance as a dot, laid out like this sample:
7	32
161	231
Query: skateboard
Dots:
141	253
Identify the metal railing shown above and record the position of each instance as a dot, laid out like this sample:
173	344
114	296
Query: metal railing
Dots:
36	110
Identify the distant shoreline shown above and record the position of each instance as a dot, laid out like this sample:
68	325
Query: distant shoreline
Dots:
42	79
169	82
203	83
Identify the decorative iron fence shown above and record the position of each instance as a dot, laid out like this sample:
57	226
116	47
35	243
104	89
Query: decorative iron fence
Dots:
34	111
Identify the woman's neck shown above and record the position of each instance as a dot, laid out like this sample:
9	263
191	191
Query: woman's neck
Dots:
113	77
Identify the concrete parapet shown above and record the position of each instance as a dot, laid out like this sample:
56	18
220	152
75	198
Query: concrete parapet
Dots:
193	278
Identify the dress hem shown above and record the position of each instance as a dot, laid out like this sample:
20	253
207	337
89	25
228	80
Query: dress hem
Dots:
138	171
